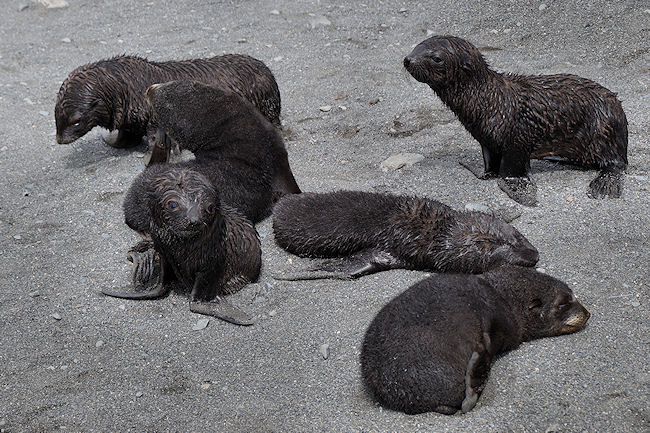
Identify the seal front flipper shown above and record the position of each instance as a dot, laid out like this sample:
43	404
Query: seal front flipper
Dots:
148	275
120	139
608	183
476	373
222	309
520	189
478	171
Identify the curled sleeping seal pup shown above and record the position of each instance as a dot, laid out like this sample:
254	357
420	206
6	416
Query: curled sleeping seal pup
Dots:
384	231
517	117
210	247
111	93
431	347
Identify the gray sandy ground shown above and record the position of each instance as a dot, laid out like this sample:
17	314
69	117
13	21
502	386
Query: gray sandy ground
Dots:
73	360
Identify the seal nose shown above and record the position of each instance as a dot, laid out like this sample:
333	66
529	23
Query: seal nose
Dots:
407	61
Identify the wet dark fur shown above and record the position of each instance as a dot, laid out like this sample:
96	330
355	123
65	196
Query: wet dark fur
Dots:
516	117
403	232
111	93
431	347
210	122
211	247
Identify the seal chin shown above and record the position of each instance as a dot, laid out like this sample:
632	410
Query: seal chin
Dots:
576	321
65	139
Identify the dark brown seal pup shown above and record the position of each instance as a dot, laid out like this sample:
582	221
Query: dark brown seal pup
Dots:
210	247
431	347
208	121
111	93
389	232
516	117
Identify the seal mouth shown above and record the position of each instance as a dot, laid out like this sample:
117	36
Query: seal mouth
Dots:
65	139
575	322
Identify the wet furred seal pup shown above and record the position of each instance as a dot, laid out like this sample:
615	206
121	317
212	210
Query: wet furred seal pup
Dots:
111	93
210	247
209	121
516	117
431	347
385	231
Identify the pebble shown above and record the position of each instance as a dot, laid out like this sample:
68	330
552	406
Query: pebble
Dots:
205	385
43	113
542	6
272	313
478	207
66	40
18	237
553	428
541	270
22	7
430	32
325	108
403	10
55	316
325	350
200	324
29	101
3	149
99	343
319	20
139	394
395	162
635	303
34	294
275	12
105	236
242	41
373	101
54	4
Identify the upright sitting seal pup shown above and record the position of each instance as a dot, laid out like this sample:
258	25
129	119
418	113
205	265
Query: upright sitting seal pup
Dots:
387	232
516	117
240	167
205	120
209	246
111	93
431	347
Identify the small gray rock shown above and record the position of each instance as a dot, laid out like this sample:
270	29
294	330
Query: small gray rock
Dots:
66	40
139	394
55	316
200	324
319	20
21	7
43	113
478	207
99	343
275	12
395	162
635	303
34	294
325	108
325	350
541	8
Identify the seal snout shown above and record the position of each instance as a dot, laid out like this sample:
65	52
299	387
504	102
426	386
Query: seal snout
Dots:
407	61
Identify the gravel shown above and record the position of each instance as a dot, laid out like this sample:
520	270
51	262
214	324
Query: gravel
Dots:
65	239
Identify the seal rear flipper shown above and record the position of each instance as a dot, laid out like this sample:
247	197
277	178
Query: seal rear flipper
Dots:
608	183
156	292
520	189
222	309
347	268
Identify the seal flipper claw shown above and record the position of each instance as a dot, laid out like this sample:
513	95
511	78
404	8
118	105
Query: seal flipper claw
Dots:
520	189
222	309
156	292
608	183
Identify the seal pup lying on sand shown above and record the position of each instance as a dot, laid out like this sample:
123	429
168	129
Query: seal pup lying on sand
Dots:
431	347
516	117
111	93
384	231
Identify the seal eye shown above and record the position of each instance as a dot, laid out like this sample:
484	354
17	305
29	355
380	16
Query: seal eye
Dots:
535	304
436	59
171	204
210	209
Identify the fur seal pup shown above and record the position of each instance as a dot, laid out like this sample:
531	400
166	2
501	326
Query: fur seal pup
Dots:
385	231
210	247
111	93
209	121
516	117
431	347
